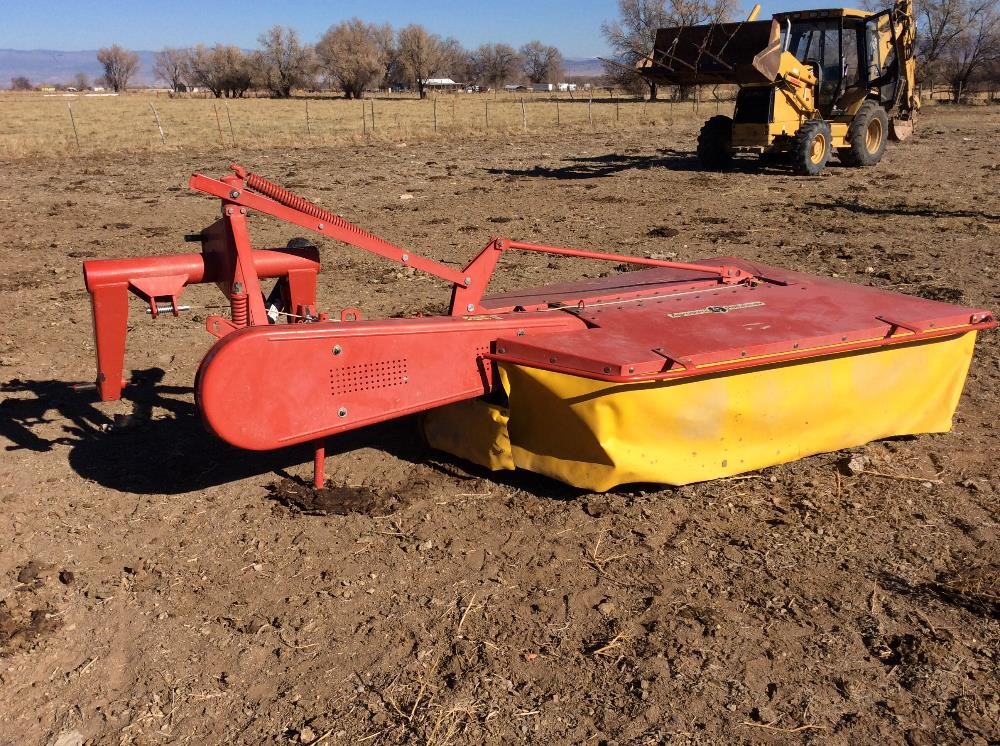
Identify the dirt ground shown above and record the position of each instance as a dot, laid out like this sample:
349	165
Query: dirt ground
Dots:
157	586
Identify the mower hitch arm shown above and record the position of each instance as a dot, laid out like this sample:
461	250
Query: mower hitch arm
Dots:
727	274
250	191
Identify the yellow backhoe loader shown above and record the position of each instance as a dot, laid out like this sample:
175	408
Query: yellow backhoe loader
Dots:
810	82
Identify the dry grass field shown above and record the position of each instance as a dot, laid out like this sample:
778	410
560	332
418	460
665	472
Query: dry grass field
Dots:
33	125
157	586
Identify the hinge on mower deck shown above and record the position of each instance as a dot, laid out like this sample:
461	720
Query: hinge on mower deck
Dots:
895	324
679	360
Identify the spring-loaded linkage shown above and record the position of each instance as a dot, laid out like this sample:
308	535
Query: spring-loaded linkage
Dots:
290	199
240	308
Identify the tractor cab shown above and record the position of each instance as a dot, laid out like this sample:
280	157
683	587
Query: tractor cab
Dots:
842	49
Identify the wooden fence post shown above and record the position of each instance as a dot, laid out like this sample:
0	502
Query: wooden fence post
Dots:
157	118
232	132
218	122
72	120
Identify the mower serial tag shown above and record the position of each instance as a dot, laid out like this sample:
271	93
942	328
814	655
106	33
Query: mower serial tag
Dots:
716	309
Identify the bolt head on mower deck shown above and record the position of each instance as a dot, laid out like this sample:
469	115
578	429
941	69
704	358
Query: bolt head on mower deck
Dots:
679	373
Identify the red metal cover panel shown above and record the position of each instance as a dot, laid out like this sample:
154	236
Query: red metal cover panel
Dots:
677	326
266	387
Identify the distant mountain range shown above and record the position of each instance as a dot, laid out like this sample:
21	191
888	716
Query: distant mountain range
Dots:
584	67
55	66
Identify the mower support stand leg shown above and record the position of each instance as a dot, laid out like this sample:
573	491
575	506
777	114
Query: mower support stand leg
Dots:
319	462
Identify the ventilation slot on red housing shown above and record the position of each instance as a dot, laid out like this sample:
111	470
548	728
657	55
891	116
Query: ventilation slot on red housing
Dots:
382	374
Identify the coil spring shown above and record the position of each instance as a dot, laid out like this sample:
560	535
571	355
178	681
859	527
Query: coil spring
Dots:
240	307
294	201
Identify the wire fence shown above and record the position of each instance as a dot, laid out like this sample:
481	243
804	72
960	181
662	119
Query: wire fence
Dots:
36	125
32	125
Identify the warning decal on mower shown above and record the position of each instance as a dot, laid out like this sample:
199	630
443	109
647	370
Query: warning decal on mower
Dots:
716	309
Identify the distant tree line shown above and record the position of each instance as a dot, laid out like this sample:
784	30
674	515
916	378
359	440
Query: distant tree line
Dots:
79	82
352	56
958	43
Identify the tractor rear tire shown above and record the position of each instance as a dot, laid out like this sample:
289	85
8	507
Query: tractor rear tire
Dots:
715	143
811	148
866	136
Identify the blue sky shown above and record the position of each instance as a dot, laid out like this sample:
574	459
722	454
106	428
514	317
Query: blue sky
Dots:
574	27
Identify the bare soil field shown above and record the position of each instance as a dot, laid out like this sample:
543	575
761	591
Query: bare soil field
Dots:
158	587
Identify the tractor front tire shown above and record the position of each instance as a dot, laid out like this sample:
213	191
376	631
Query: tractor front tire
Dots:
811	148
715	143
866	136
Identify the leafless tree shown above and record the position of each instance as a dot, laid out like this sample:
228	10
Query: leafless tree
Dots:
420	55
284	62
495	64
224	70
81	82
696	12
20	83
119	65
941	21
992	77
171	67
633	34
396	76
974	48
957	40
542	63
355	54
454	60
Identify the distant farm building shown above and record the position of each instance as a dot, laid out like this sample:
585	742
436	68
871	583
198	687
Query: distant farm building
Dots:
548	87
441	84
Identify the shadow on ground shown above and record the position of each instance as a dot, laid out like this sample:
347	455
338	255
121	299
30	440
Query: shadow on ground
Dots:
175	453
901	210
171	454
609	164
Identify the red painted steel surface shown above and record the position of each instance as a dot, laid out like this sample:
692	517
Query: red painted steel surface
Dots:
196	268
729	274
675	330
267	387
163	278
341	230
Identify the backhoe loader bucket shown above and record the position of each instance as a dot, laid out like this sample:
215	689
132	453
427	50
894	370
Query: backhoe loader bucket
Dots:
743	53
